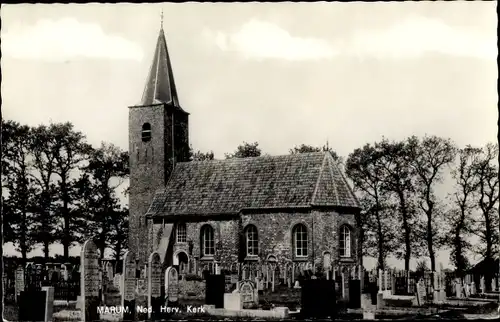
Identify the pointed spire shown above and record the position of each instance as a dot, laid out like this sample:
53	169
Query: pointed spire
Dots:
161	26
160	84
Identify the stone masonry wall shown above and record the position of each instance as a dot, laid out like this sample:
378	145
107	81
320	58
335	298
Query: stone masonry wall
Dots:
150	166
275	237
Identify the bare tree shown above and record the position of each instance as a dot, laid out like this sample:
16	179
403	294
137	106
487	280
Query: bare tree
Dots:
466	183
364	168
70	151
487	228
16	168
398	181
44	163
431	156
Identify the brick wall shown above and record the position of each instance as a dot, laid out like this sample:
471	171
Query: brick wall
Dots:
275	236
150	165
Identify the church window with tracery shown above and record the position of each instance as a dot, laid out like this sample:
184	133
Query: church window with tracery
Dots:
207	241
181	233
300	240
345	241
252	240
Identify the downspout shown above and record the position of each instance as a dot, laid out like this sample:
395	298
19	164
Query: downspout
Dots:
313	253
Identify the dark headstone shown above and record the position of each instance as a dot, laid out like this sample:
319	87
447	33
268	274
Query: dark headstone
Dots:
373	287
318	299
32	306
354	294
214	293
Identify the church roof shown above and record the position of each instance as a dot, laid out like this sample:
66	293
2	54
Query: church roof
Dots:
160	85
230	186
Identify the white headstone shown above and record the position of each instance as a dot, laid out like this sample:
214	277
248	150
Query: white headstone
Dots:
129	277
421	292
247	293
467	290
172	284
128	287
49	302
89	283
19	286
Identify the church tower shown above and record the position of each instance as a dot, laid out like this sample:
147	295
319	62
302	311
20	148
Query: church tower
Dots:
158	138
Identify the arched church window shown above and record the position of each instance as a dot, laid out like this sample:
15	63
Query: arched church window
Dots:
181	233
300	240
146	132
345	241
207	241
252	240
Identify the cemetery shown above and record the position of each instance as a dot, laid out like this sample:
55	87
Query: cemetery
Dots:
99	290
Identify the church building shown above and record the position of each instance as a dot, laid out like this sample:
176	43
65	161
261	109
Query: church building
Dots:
287	209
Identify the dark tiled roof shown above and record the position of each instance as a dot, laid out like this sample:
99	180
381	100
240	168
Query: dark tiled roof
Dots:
160	84
229	186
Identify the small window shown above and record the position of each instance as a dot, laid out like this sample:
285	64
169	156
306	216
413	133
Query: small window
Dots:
252	240
181	233
300	240
207	241
345	241
146	132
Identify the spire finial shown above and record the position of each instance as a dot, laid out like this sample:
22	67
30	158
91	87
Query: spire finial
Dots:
161	18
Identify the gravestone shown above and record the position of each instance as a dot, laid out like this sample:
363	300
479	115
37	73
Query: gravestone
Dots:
214	291
49	303
248	294
116	281
142	297
155	300
421	292
89	281
458	288
109	271
172	284
354	294
32	305
234	278
129	285
467	290
318	299
19	283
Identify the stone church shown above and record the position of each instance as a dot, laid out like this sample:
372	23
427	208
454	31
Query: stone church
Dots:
287	209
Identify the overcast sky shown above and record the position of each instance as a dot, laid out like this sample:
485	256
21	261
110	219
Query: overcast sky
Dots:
280	74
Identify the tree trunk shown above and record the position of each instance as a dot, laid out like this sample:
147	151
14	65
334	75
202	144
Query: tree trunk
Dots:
430	243
118	250
381	250
489	252
46	245
407	230
23	241
65	214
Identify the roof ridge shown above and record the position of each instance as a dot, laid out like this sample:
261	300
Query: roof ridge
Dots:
332	176
344	179
313	199
254	158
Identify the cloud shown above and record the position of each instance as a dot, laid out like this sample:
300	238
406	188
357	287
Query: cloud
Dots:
418	35
261	40
67	39
407	39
